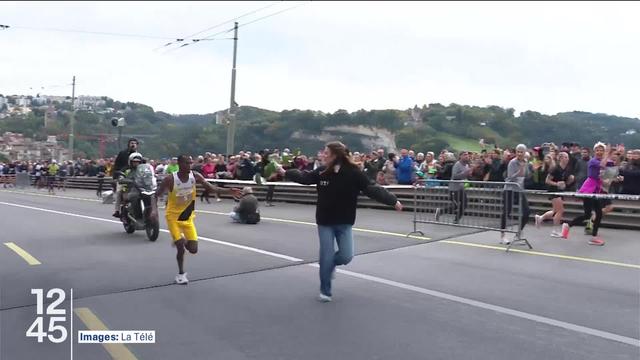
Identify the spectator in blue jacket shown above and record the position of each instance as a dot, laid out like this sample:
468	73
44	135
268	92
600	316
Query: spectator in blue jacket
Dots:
405	168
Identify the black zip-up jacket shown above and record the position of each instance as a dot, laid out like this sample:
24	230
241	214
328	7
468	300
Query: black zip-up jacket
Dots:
631	183
338	193
445	171
122	162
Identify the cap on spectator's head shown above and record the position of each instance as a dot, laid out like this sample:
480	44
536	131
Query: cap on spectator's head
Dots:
431	153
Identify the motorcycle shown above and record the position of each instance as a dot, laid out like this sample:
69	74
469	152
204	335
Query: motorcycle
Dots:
135	213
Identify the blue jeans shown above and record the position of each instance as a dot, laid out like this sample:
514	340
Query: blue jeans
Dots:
329	258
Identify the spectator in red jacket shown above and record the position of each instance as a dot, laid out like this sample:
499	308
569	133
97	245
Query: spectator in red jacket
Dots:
209	172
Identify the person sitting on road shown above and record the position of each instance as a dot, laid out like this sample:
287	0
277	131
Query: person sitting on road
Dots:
247	210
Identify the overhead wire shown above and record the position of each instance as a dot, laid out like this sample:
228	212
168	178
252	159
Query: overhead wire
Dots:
273	14
183	39
212	37
86	32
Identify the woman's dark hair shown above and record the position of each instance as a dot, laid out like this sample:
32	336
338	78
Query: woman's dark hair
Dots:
391	156
343	157
265	157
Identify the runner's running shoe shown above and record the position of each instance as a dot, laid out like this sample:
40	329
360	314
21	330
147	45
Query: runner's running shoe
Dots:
565	231
596	241
588	230
181	279
538	221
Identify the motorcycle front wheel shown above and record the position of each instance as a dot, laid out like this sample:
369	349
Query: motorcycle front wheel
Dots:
153	230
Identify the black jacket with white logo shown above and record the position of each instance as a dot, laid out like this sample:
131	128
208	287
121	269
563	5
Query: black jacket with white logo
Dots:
338	193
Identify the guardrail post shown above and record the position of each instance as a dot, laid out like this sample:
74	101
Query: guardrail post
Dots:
415	212
518	236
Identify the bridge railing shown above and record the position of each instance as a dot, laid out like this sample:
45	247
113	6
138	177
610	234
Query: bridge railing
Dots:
625	215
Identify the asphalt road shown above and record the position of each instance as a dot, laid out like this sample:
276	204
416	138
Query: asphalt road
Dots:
252	290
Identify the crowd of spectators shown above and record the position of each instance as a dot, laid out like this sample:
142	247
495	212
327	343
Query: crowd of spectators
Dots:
383	168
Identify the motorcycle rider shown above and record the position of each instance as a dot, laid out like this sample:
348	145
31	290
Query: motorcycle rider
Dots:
121	163
142	175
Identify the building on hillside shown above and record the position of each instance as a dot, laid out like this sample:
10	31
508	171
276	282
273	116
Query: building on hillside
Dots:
90	102
50	116
221	118
416	116
39	100
60	99
23	101
17	147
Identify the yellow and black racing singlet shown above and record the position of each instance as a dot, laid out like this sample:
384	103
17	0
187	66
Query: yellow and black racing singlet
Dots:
182	199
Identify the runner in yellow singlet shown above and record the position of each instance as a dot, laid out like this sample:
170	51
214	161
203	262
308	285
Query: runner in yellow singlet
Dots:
180	210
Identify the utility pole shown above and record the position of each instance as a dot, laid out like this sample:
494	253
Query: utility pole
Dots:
72	122
231	130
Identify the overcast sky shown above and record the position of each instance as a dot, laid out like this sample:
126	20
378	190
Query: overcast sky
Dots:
543	56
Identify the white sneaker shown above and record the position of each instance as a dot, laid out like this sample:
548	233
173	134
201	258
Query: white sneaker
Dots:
324	298
218	199
504	240
181	279
556	234
538	221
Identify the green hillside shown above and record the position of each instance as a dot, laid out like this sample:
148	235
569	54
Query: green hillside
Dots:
428	128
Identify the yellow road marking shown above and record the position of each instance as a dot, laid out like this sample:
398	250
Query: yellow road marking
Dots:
452	242
463	243
23	254
379	232
91	321
539	253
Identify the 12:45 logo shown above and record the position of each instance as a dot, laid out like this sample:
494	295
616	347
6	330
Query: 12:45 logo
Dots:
56	331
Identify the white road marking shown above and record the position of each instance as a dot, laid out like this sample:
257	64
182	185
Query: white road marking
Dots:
496	308
247	248
470	302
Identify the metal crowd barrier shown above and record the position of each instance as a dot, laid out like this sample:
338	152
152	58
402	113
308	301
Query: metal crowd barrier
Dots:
496	206
623	197
23	180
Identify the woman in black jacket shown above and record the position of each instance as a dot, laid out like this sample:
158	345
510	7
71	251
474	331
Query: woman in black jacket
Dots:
338	183
444	173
